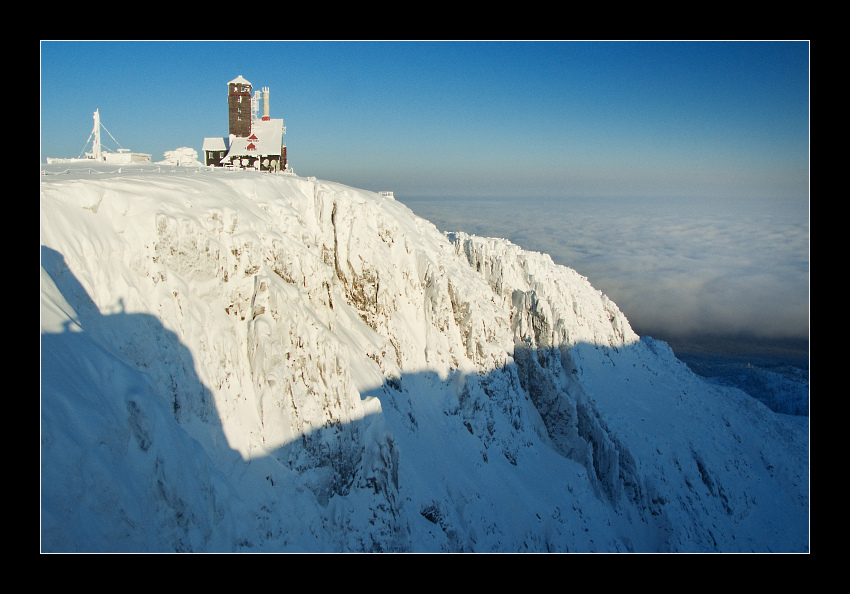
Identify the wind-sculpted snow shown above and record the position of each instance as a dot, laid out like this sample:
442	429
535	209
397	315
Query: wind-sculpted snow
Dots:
235	361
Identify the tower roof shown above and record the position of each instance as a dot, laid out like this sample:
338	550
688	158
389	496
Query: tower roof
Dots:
239	80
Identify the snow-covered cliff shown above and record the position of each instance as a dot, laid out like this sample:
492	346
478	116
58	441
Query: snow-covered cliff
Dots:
235	361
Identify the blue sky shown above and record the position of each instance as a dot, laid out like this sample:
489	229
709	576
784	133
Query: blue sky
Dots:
535	119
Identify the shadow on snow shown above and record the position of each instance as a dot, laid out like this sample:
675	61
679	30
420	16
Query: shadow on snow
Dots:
123	467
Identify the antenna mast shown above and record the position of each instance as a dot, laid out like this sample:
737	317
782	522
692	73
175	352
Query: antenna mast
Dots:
96	132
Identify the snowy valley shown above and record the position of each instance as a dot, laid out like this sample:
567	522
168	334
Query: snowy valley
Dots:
236	361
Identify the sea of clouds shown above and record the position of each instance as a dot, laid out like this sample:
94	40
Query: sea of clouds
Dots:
675	267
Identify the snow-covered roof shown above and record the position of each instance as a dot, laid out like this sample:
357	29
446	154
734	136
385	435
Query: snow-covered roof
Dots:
239	80
266	138
214	144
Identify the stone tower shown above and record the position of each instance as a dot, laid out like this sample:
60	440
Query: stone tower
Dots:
239	106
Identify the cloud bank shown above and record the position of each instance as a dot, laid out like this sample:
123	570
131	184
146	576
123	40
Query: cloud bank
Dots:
676	267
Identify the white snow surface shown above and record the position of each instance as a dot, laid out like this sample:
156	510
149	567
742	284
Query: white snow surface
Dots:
248	362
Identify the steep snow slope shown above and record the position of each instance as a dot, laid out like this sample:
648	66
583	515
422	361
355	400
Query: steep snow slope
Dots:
235	361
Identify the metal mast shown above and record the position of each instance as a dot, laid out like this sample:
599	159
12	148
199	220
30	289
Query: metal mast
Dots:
96	132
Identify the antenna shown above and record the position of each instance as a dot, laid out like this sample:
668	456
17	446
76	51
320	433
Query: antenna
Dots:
97	148
96	132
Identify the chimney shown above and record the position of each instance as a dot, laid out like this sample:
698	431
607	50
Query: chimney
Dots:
266	116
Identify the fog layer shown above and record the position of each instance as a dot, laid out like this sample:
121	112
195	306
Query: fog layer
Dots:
675	267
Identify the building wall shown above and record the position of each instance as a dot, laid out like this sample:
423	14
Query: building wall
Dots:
239	109
265	162
214	158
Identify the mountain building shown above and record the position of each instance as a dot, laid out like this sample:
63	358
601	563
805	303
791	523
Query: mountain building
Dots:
254	141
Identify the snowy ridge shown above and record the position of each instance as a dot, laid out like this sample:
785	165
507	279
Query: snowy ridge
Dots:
235	361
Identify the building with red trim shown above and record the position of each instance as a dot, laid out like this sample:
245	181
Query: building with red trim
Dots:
253	142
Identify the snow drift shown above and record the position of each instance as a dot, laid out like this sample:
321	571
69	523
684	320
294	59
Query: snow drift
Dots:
236	361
